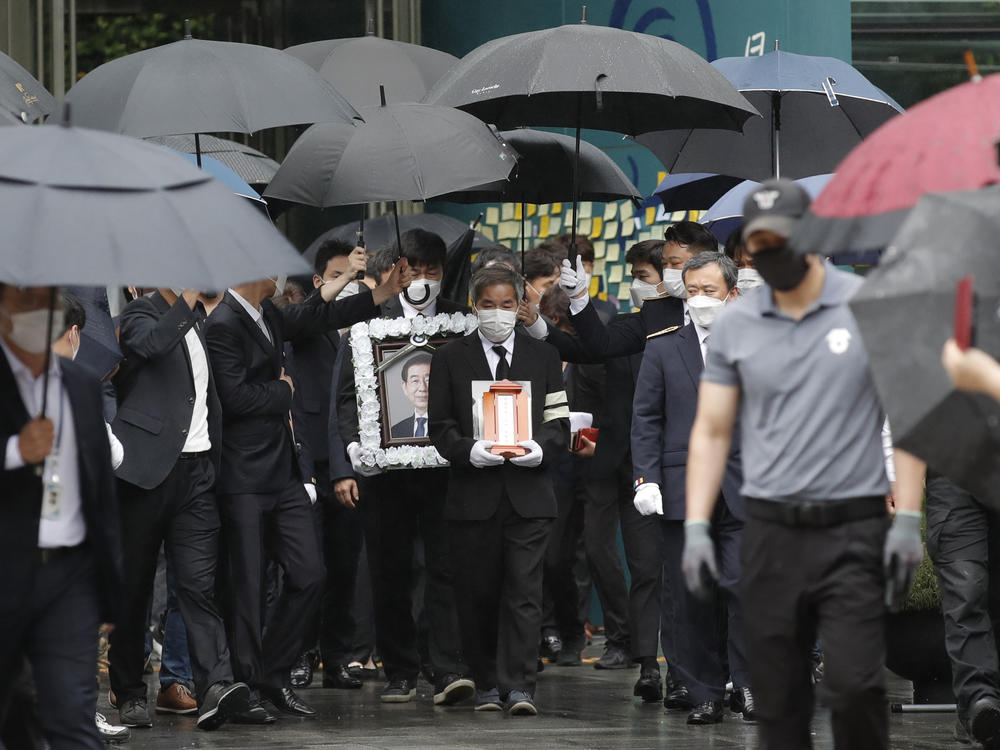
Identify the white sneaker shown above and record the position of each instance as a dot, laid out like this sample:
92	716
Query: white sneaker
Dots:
110	732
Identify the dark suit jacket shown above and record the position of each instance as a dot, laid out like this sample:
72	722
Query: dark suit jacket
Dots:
666	400
257	447
20	510
403	428
340	463
155	389
474	494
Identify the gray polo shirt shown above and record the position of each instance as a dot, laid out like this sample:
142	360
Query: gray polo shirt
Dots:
810	417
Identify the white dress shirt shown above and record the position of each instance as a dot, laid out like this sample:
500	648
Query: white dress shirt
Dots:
409	311
255	313
68	529
416	424
198	440
492	358
702	340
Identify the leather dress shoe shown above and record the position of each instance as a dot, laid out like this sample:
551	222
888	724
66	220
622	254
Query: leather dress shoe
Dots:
301	674
254	714
741	702
613	658
338	677
709	712
984	722
677	696
648	686
222	701
286	701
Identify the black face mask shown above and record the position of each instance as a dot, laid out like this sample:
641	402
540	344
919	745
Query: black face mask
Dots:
781	267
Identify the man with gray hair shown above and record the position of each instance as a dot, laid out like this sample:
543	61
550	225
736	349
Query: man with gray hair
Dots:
664	409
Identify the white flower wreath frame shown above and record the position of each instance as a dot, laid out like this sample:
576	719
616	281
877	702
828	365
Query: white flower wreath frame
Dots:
417	331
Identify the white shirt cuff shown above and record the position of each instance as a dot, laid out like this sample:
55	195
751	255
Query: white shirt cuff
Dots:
576	304
12	459
538	330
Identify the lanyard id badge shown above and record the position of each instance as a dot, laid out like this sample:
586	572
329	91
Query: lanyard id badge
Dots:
52	486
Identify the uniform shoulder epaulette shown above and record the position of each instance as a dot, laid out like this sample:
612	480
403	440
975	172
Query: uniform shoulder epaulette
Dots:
660	333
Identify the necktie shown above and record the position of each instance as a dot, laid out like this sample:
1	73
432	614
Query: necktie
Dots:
502	367
421	430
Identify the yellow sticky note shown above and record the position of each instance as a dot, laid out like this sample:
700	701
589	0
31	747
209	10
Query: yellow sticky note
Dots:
610	211
616	274
595	231
543	226
487	232
650	215
628	227
509	230
493	215
610	230
613	253
598	268
678	216
555	225
517	211
543	209
584	227
555	208
507	212
532	209
585	210
599	248
623	291
626	210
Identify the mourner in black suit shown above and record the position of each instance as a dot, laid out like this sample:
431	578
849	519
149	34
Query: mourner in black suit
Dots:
170	425
415	377
262	499
60	545
665	402
499	510
401	507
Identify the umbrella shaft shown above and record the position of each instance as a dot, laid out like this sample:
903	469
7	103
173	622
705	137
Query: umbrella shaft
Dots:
576	189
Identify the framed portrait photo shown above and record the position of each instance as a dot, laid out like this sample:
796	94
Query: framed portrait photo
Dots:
392	363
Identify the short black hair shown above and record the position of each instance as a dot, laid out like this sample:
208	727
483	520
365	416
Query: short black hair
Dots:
422	358
423	248
726	264
647	251
554	304
380	261
539	262
496	254
494	276
733	242
73	312
693	235
559	247
330	249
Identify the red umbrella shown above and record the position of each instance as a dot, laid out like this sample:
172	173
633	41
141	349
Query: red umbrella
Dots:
947	142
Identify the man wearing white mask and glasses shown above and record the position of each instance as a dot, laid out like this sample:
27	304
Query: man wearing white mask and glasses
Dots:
665	401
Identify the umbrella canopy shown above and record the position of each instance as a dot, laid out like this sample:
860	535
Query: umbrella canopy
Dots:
357	66
399	152
579	75
201	86
91	208
815	110
905	311
22	97
458	267
544	173
255	167
380	231
727	213
98	343
697	191
946	142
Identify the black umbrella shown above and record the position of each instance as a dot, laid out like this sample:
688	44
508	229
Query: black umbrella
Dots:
584	76
358	65
22	97
458	265
201	86
905	314
98	343
255	167
685	191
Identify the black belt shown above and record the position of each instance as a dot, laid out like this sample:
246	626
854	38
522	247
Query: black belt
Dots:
817	514
51	554
199	454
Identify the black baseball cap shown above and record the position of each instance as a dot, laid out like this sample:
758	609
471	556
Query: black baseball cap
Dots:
774	206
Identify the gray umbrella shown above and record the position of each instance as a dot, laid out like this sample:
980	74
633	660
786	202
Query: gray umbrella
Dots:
201	86
905	312
255	167
358	65
22	97
90	208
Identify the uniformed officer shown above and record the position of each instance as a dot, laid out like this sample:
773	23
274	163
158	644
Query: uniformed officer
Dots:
788	358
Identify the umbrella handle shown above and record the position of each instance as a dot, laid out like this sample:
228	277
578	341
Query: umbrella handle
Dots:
361	241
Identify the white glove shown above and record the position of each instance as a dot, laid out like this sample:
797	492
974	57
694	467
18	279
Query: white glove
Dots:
538	329
480	455
311	491
575	282
354	453
532	458
648	499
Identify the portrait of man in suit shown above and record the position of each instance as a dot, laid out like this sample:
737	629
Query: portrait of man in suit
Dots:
415	376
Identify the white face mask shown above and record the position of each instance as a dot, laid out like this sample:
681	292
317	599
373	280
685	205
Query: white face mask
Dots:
703	309
28	329
496	325
422	292
642	290
673	284
279	285
748	278
352	288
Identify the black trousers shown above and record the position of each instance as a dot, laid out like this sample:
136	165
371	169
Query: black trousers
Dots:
561	599
56	628
498	581
604	496
342	542
398	508
181	514
963	540
798	582
280	525
689	626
